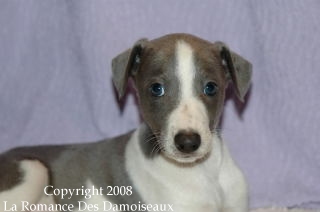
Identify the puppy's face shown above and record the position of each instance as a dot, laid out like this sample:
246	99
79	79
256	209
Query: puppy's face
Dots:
181	84
180	81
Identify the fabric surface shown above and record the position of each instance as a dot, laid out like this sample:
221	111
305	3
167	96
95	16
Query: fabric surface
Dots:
283	210
55	79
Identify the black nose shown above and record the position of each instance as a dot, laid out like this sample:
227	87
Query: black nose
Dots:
187	142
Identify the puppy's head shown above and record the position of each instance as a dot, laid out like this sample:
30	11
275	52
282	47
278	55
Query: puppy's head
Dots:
181	81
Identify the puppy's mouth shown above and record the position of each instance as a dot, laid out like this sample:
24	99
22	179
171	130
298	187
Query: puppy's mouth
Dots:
171	153
166	146
185	159
186	146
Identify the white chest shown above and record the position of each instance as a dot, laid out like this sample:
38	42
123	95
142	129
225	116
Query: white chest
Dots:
185	188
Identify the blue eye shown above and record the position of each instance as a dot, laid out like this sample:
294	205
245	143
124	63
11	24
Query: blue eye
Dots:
210	89
157	89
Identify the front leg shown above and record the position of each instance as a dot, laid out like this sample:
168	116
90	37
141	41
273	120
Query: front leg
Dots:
234	186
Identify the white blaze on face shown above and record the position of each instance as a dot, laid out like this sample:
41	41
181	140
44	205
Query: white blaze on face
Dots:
190	113
185	70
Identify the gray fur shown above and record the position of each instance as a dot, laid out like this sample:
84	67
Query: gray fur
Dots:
71	165
239	70
125	65
10	174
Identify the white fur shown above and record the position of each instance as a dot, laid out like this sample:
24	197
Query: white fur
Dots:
30	189
95	202
185	69
189	188
190	114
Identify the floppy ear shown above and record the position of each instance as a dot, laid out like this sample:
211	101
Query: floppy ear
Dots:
125	65
238	69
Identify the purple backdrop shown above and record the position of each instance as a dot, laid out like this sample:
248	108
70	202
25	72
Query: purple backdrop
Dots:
55	82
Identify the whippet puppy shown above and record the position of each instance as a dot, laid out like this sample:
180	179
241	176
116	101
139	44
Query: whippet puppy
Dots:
175	161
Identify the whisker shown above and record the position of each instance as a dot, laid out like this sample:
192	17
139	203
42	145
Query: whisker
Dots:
155	149
150	139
